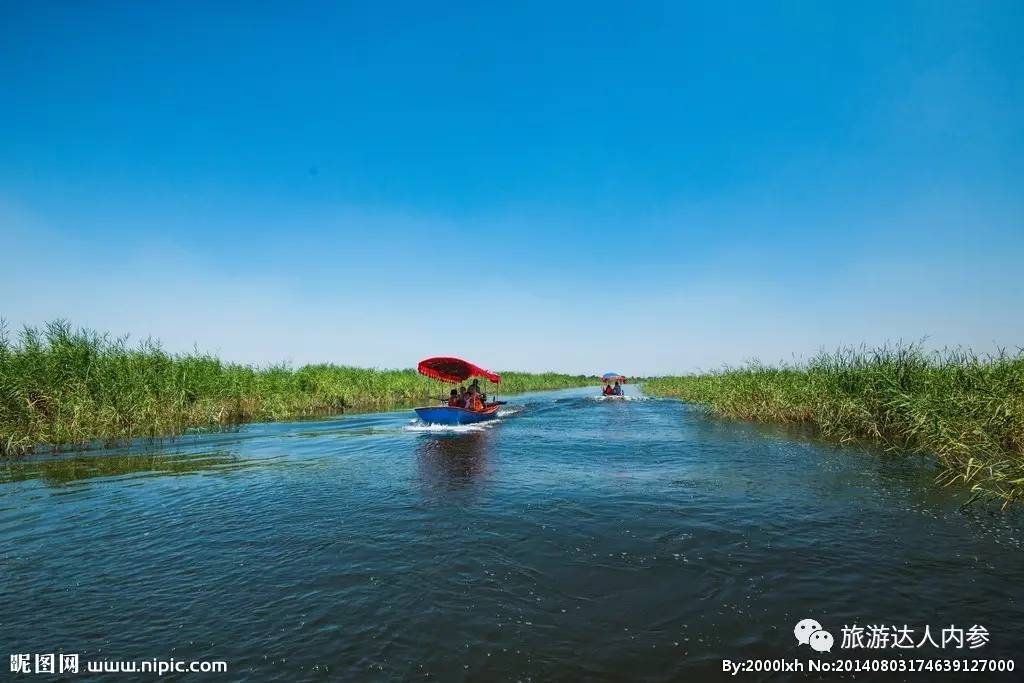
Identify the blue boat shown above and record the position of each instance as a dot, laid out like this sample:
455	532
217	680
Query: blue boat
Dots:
446	415
454	371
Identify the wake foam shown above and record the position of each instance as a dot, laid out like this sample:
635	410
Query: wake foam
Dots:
620	398
431	428
508	411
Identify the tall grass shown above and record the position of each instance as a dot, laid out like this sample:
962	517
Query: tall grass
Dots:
965	409
65	388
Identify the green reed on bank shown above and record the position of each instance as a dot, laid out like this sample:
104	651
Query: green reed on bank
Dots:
965	409
63	388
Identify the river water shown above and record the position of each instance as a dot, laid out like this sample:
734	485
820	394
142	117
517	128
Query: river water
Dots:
574	539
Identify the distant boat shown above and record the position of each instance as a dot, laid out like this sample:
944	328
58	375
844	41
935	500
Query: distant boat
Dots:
455	371
609	378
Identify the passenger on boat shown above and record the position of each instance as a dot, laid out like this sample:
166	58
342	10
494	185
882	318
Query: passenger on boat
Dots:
453	399
474	388
462	397
617	391
607	390
474	398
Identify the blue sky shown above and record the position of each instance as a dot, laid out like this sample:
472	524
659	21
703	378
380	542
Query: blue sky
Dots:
639	187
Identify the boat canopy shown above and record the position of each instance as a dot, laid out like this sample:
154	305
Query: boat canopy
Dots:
454	370
610	377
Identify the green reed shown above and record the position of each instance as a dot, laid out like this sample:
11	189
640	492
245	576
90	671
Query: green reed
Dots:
966	409
66	388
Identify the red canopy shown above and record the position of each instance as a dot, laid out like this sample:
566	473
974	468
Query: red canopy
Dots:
454	370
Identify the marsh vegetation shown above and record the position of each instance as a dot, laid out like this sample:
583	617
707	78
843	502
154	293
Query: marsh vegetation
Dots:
966	409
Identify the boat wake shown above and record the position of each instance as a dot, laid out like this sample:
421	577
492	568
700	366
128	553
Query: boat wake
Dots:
508	411
620	398
433	428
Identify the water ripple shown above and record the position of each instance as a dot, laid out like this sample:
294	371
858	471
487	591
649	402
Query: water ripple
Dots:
571	539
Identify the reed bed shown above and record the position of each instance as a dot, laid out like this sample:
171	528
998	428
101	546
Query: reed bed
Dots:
65	389
967	410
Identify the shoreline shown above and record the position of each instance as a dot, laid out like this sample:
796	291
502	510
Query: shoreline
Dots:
966	411
65	390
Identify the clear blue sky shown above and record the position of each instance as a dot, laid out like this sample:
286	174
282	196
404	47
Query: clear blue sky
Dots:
637	187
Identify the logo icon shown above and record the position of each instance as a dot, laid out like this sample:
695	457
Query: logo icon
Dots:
803	630
809	632
821	641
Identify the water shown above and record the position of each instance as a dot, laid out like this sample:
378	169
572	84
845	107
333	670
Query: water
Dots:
573	539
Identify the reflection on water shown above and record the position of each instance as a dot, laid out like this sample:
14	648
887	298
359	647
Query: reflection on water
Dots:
452	461
65	470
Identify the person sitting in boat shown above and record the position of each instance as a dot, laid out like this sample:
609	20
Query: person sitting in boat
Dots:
462	397
453	399
474	388
607	391
617	391
473	401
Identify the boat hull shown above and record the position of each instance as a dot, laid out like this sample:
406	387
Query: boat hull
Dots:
446	415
